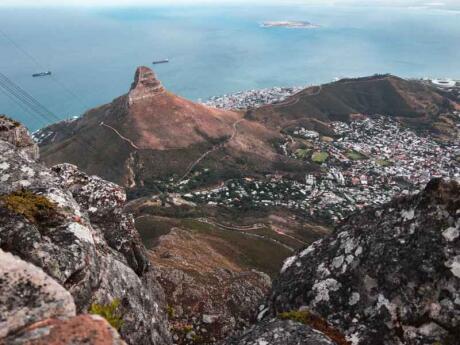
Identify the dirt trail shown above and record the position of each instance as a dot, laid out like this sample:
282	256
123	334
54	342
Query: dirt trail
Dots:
129	141
214	148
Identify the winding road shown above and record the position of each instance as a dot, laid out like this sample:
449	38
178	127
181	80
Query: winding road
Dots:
245	232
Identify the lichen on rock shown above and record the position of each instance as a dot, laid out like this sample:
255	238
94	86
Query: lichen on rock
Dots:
387	279
72	226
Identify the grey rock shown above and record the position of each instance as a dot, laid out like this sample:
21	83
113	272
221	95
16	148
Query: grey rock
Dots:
280	332
386	276
210	318
28	295
16	134
86	243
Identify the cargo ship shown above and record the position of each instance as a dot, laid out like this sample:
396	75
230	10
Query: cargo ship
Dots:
160	61
41	74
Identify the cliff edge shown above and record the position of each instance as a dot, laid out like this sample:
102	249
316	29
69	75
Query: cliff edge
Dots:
67	249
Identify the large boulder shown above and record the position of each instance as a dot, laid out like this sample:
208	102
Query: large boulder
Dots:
36	310
28	295
389	275
71	226
79	330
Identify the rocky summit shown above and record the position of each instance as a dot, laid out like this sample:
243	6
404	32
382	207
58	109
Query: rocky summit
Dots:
388	275
67	249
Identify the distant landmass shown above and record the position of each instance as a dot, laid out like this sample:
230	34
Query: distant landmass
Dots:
290	25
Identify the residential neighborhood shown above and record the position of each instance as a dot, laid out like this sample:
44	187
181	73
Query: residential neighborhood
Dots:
368	162
252	98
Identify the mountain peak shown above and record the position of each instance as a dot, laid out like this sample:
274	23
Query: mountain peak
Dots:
145	85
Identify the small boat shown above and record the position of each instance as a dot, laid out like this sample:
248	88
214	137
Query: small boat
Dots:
160	61
41	74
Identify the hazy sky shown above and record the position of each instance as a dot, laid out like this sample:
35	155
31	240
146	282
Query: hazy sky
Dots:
172	2
439	4
124	2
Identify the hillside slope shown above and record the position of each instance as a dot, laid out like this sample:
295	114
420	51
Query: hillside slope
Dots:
150	134
414	104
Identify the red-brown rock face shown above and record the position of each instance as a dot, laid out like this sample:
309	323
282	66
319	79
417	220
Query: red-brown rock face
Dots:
145	85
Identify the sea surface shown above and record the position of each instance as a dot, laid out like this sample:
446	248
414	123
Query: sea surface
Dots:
213	50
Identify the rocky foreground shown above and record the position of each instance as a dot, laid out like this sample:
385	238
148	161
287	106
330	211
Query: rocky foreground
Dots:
73	269
388	275
67	249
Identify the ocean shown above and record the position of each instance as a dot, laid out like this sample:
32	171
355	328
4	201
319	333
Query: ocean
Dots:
213	50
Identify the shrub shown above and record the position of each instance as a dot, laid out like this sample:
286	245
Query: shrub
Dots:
319	157
170	311
110	312
302	153
34	207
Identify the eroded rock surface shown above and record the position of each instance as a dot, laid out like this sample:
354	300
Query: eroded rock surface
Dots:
386	276
27	295
71	226
280	332
145	85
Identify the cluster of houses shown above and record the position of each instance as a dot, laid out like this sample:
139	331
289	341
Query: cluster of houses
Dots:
368	162
252	98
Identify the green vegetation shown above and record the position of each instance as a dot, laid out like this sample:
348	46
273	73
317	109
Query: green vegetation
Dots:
316	322
110	312
296	315
170	311
34	207
355	155
384	162
302	153
319	157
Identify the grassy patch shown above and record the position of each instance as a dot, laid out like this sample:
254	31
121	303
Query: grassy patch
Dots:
316	322
384	162
110	312
34	207
170	311
302	153
319	157
355	155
